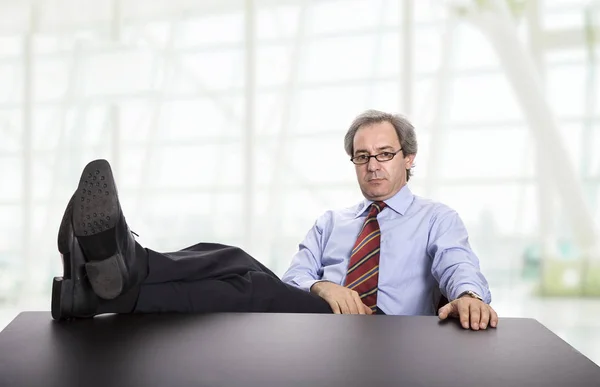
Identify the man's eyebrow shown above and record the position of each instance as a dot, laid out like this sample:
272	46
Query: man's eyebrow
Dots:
386	147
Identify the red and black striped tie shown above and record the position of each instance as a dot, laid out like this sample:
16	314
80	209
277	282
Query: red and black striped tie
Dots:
363	270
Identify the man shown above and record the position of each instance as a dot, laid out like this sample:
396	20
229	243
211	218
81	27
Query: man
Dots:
107	271
420	245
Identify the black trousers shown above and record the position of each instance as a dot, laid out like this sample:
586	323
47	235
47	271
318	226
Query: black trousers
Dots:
210	277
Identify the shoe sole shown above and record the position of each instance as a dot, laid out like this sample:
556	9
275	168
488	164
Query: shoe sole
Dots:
62	297
62	287
96	207
95	210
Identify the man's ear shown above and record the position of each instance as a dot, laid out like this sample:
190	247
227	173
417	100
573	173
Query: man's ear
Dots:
409	160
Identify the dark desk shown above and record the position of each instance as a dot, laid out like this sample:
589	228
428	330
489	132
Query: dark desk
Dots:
284	350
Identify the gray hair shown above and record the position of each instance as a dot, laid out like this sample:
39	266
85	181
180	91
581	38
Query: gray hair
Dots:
404	129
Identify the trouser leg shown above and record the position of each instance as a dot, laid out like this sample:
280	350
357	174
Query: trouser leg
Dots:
210	277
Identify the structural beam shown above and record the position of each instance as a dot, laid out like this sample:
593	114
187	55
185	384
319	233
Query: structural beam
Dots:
27	157
406	53
248	128
494	20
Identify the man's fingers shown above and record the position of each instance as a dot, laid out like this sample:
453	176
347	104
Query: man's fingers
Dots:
463	313
475	315
360	309
344	306
471	313
445	311
493	318
352	309
359	304
335	307
350	304
341	300
485	317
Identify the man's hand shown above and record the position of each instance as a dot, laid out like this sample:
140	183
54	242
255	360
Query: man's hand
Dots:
470	311
341	299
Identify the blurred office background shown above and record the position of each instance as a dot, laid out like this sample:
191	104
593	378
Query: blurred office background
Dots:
224	122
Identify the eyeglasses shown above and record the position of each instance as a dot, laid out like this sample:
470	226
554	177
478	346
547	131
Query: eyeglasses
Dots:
383	156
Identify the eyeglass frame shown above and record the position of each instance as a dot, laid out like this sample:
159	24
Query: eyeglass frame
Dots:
379	154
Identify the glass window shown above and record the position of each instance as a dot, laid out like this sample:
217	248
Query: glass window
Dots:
347	15
11	169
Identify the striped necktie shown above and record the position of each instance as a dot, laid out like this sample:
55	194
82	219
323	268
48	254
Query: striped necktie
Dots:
363	269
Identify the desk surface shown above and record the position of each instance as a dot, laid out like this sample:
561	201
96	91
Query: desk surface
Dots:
284	350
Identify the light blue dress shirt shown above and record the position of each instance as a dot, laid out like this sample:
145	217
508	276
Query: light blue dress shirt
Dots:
423	244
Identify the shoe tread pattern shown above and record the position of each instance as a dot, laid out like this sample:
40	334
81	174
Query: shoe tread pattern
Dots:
95	208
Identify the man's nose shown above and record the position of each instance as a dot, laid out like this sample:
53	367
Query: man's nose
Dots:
373	164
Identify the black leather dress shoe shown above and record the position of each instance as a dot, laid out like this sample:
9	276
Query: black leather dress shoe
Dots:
72	295
112	266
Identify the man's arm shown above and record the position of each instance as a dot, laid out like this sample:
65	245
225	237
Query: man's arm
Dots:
456	268
306	273
306	267
454	264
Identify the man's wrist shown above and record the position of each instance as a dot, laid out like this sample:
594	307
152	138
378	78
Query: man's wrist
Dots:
316	286
321	286
472	294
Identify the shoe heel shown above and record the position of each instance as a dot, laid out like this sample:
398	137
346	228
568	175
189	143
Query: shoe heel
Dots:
107	277
62	301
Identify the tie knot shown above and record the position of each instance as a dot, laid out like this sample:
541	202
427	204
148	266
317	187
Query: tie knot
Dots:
377	207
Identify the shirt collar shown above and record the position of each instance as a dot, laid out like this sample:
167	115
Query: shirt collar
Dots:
399	202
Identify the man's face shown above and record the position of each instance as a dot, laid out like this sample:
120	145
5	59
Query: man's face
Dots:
380	180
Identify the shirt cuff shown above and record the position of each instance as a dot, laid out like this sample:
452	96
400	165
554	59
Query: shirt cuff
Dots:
306	285
473	288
